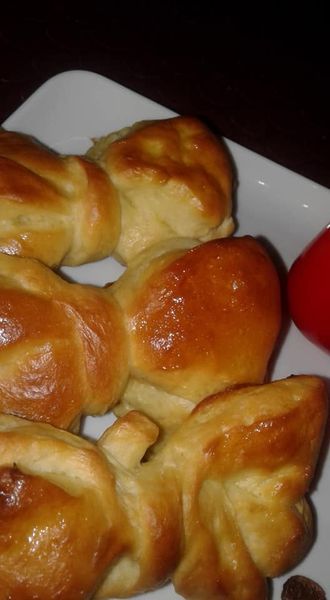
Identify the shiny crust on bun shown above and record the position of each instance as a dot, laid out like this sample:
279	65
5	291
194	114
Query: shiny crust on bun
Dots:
218	509
184	321
62	345
200	318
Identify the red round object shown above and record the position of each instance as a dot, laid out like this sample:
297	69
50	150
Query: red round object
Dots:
309	290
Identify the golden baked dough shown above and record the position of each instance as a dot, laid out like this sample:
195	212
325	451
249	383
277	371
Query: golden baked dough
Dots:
200	319
62	345
58	209
218	509
184	321
61	524
174	179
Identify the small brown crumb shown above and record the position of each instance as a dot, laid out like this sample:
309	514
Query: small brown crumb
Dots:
302	588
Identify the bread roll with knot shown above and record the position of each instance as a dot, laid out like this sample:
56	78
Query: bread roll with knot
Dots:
217	516
62	345
58	209
200	318
183	322
174	179
161	180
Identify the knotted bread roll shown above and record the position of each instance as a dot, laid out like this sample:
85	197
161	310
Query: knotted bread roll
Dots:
184	321
174	179
58	209
218	509
163	180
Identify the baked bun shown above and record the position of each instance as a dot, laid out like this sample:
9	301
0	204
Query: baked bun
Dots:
218	509
61	523
200	318
54	208
174	179
154	181
183	322
62	345
247	518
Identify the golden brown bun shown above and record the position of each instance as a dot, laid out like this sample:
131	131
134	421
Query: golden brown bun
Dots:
218	509
200	319
183	322
249	518
174	179
62	345
61	524
54	208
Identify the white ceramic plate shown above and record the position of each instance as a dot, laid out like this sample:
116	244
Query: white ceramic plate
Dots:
272	202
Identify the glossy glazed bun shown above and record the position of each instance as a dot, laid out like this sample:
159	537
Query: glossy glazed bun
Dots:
217	510
200	318
183	322
62	346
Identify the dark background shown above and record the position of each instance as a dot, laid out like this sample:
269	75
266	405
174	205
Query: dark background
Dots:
259	75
